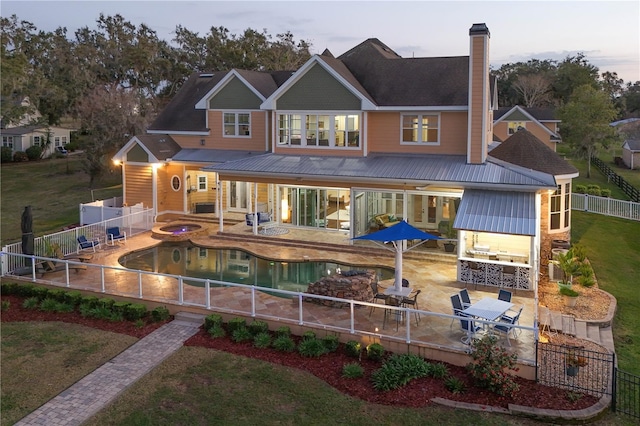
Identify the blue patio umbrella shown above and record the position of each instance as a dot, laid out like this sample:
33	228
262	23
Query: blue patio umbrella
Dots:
397	234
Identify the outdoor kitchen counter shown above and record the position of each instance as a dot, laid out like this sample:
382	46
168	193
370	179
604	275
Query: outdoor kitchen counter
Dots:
491	273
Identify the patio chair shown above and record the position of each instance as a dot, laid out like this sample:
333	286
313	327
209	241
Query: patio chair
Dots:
84	244
469	327
411	301
504	295
464	297
508	327
49	266
72	256
377	295
508	277
394	302
405	282
114	234
477	274
456	303
512	316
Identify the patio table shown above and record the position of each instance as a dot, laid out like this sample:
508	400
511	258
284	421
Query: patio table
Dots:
488	308
403	292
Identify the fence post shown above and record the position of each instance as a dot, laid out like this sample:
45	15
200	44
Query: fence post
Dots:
253	301
140	284
207	296
353	317
180	290
300	319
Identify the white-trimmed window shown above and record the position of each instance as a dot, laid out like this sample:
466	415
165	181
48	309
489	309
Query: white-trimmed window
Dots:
514	126
202	182
420	128
175	182
321	130
236	124
64	140
560	208
36	140
7	141
56	140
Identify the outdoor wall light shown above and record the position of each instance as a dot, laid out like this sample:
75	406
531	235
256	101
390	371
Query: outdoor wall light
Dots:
202	142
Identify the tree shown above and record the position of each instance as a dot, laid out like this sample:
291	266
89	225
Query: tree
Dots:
535	89
631	98
585	122
573	72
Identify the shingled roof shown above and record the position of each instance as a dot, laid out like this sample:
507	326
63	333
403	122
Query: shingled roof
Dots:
540	114
162	147
525	150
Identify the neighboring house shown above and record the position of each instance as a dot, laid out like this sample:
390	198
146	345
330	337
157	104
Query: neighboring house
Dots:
541	122
21	138
344	143
631	153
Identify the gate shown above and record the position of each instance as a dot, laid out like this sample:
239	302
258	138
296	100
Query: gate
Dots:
626	397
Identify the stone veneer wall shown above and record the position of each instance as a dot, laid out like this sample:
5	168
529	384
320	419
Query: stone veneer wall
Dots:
354	287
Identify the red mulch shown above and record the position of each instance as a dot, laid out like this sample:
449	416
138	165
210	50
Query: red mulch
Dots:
329	368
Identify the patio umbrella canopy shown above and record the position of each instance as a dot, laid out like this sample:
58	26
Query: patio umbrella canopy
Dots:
397	234
26	224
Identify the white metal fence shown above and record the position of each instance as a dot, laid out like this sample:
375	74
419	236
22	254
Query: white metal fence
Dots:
435	329
67	241
101	210
605	206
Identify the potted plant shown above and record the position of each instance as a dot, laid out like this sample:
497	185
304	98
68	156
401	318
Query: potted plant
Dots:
573	362
569	265
570	296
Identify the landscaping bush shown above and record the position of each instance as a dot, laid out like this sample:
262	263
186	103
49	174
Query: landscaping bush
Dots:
454	385
309	334
605	193
90	301
284	344
135	311
490	364
258	326
580	189
353	348
5	305
262	340
161	313
241	334
311	348
283	331
212	320
106	302
5	156
73	297
26	290
438	371
20	156
352	370
40	292
31	303
236	323
53	305
216	331
57	294
331	342
399	370
9	288
375	351
33	153
594	190
120	307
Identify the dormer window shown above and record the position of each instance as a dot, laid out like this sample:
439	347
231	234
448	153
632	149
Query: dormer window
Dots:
237	124
421	129
514	126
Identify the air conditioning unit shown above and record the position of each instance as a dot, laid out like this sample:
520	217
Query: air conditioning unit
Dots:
555	273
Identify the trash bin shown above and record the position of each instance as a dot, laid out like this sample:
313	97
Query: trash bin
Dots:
562	244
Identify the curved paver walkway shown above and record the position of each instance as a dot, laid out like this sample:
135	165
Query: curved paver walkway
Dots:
95	391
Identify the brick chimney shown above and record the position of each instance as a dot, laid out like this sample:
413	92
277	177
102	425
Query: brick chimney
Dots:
479	126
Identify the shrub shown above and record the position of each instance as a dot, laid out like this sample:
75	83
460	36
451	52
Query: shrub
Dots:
99	312
139	323
86	310
26	290
241	334
57	294
161	313
49	305
134	311
579	252
605	193
375	351
236	323
216	331
9	288
212	320
283	331
311	348
262	340
5	156
594	190
568	291
331	342
438	371
115	316
91	301
399	370
353	348
31	303
586	280
5	305
454	385
580	189
309	334
20	156
490	363
258	326
284	344
106	302
120	307
40	292
352	370
73	297
33	153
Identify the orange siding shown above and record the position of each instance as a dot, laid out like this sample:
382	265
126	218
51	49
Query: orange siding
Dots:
479	97
138	185
168	198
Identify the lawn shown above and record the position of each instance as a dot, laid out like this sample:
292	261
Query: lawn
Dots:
54	188
613	247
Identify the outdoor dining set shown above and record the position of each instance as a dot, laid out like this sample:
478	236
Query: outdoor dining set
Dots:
405	297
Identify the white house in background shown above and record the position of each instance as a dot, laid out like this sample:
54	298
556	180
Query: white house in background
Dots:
631	153
22	137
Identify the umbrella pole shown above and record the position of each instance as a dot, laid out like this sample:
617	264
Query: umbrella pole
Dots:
398	276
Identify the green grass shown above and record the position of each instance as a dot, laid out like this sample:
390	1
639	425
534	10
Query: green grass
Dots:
613	247
54	188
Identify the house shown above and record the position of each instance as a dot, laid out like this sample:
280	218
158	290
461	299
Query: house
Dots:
541	122
347	142
631	153
22	137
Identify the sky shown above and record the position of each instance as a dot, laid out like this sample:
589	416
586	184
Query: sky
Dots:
607	32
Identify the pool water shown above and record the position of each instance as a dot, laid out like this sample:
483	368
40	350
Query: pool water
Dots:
236	266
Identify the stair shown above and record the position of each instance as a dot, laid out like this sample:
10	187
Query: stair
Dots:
189	318
581	329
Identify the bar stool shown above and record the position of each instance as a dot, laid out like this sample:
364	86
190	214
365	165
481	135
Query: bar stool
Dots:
476	273
508	277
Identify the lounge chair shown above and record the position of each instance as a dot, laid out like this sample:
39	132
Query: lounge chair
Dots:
49	266
114	234
84	244
72	256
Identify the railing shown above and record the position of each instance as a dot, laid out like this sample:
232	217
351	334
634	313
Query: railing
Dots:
199	292
627	188
605	206
626	395
67	241
102	210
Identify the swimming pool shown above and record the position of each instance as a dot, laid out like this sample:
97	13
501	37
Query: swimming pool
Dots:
236	266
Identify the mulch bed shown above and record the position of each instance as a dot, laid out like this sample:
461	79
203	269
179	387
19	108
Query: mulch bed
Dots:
328	367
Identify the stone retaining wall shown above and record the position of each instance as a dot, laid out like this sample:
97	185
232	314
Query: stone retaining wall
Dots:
354	287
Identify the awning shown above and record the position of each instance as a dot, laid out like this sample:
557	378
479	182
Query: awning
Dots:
499	212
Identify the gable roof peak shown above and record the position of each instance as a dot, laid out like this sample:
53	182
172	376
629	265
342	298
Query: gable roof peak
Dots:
328	53
371	46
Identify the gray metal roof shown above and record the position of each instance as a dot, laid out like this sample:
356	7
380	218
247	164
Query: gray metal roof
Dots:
411	169
212	155
502	212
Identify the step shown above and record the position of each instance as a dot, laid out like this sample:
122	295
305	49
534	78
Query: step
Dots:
580	329
568	325
606	338
593	332
190	318
556	321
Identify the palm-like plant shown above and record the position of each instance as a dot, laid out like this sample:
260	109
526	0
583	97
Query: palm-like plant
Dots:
569	265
